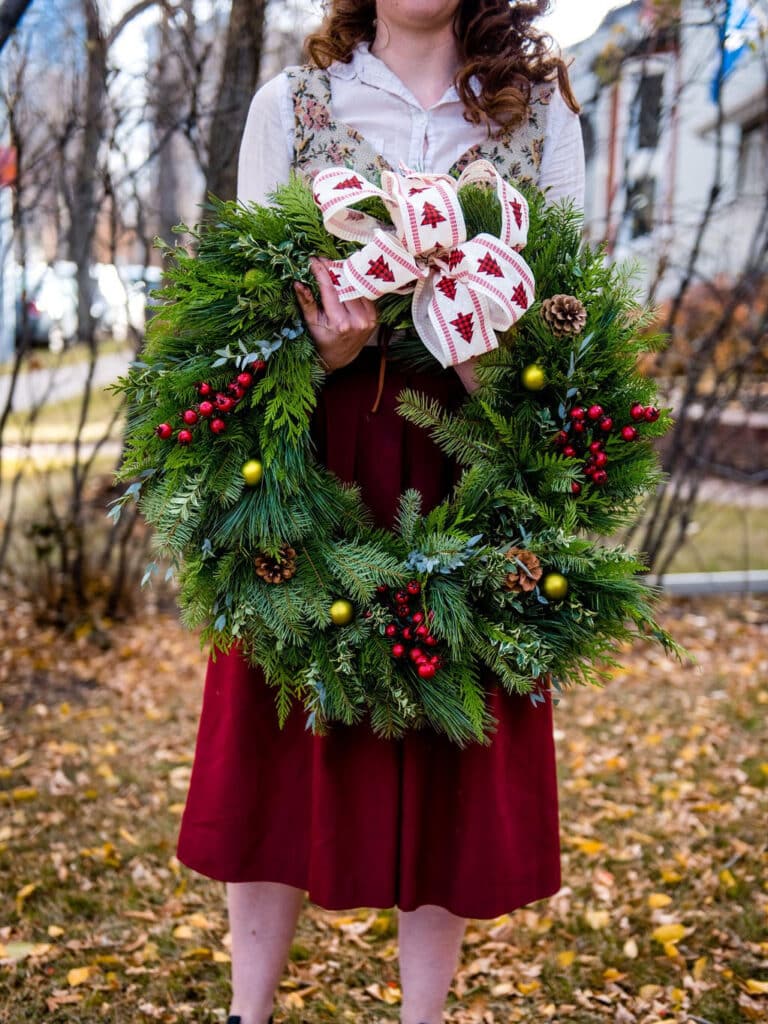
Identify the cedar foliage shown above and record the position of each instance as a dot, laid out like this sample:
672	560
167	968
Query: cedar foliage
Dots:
231	303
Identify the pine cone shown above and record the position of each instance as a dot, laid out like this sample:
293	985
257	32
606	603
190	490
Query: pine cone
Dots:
527	572
276	570
564	314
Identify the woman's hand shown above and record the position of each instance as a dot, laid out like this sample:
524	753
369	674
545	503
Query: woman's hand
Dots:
339	329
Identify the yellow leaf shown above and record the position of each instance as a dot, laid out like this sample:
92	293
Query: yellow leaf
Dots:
727	879
699	967
589	846
23	893
669	933
78	975
55	930
129	837
526	987
504	988
20	793
671	950
565	958
649	991
293	1001
757	988
198	953
670	876
597	918
183	931
630	949
219	957
198	921
176	808
611	974
764	767
656	900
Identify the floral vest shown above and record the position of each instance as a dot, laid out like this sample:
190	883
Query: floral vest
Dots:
320	141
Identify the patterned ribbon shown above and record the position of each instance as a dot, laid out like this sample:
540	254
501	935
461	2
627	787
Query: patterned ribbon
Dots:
463	291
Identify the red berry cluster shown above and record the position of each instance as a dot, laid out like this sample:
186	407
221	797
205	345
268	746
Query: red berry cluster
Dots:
586	434
410	630
213	407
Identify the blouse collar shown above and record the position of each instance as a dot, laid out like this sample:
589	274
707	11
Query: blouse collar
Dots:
373	71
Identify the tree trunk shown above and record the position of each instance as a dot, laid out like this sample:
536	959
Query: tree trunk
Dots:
85	198
239	75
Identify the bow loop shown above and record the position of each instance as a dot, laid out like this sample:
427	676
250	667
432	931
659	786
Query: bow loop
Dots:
463	290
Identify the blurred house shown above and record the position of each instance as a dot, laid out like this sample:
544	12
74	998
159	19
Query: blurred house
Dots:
654	82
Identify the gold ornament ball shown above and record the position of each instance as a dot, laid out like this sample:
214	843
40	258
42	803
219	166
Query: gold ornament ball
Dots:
252	472
555	586
342	612
533	377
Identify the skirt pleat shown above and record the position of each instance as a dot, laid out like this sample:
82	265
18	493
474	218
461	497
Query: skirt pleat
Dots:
353	819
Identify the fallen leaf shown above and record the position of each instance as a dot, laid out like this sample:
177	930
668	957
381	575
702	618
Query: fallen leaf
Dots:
78	975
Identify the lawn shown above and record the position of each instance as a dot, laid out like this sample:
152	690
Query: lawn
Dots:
662	916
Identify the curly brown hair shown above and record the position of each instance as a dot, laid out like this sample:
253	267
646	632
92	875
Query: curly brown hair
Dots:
497	42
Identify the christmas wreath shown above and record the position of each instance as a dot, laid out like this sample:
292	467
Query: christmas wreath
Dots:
507	579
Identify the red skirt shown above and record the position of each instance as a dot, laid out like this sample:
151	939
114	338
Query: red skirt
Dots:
355	820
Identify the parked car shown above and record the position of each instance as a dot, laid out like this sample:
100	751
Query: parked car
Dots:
51	305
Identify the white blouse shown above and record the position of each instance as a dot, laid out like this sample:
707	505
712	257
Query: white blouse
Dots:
368	96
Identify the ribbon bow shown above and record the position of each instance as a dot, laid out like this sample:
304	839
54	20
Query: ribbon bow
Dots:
463	291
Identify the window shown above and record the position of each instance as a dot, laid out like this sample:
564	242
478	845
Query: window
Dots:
640	206
650	91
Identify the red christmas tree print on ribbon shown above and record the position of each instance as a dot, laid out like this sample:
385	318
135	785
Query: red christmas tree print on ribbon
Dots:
352	182
519	296
432	216
464	326
335	278
517	210
455	257
488	265
447	286
380	269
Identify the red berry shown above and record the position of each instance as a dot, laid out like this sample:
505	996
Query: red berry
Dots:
430	641
245	379
401	597
418	617
577	413
629	433
184	437
224	403
204	390
561	438
398	650
569	451
606	424
413	588
164	431
599	477
382	588
416	654
218	426
403	611
575	487
589	469
259	365
426	670
206	409
601	459
637	411
407	633
430	614
235	390
390	629
595	412
422	630
190	417
367	614
652	414
595	447
579	426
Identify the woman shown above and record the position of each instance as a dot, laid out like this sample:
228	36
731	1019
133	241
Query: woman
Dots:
353	820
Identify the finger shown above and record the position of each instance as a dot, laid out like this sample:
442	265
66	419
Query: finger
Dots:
335	309
307	302
363	313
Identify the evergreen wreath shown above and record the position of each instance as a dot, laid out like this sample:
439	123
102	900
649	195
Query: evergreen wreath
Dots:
507	578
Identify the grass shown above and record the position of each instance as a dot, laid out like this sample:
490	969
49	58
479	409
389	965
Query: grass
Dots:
663	798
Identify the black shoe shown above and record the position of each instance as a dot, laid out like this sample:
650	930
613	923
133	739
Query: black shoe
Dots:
238	1020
